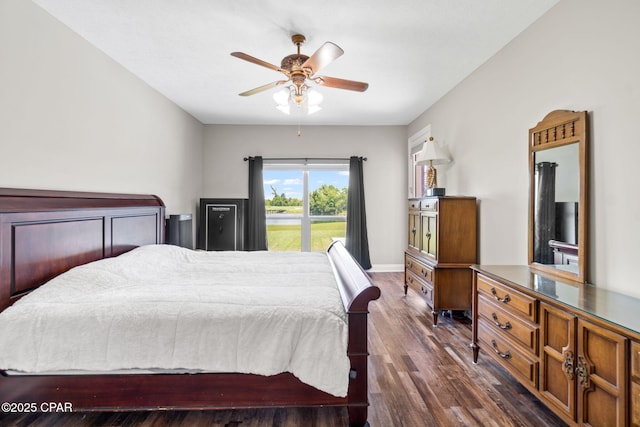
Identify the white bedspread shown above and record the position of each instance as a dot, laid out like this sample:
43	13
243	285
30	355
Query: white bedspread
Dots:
166	307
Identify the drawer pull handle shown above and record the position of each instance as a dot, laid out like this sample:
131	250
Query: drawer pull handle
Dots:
506	298
428	234
567	364
582	370
413	230
506	326
506	355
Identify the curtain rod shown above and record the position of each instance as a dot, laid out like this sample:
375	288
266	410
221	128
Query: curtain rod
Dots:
302	158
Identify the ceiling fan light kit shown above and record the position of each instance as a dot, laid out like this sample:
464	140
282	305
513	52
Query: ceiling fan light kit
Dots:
308	103
299	70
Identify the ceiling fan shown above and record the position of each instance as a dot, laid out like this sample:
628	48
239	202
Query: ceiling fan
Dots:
299	69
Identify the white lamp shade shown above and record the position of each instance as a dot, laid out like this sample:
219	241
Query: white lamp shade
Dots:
284	108
282	97
314	98
313	109
431	153
309	100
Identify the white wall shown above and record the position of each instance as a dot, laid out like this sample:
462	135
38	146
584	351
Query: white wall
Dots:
581	55
73	119
225	172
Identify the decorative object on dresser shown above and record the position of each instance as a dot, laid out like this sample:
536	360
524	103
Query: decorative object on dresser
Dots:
573	345
442	245
431	154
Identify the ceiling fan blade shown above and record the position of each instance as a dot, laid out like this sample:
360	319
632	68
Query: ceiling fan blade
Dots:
341	83
263	88
325	55
250	58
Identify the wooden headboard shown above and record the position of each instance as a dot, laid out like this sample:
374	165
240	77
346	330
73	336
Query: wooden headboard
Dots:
44	233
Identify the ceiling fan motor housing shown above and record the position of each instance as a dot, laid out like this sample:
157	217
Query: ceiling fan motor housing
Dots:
297	74
293	62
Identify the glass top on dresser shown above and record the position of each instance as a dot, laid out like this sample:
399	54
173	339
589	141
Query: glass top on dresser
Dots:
613	307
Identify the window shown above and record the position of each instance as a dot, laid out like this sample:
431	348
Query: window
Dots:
417	174
306	203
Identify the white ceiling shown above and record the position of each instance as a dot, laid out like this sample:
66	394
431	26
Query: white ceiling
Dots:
411	52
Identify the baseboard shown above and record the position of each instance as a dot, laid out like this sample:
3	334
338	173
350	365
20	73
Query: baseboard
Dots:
386	268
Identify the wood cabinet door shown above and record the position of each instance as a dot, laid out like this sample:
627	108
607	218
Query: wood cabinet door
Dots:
429	227
414	230
557	359
635	404
601	375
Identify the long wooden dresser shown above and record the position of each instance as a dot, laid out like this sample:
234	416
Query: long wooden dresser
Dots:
573	345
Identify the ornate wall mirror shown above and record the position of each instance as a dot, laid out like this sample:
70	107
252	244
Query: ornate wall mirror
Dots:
558	196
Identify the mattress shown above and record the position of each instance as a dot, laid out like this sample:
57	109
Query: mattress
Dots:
163	307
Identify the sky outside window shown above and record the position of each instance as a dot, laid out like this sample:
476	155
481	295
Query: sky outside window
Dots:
290	182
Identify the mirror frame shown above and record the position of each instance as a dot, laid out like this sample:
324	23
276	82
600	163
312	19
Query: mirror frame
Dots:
559	128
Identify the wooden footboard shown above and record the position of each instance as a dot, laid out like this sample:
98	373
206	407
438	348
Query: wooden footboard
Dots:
44	233
356	291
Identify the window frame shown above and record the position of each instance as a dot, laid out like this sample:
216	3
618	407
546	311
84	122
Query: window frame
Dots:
416	174
306	166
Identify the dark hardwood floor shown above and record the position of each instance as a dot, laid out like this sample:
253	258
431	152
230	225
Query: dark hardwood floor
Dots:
420	375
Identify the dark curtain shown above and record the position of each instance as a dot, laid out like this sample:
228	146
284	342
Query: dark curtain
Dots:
545	212
257	221
357	242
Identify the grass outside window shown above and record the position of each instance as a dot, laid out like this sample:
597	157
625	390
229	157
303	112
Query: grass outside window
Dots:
287	237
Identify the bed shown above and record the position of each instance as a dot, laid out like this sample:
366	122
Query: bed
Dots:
46	233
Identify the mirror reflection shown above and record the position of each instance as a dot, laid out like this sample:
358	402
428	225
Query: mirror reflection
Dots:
556	206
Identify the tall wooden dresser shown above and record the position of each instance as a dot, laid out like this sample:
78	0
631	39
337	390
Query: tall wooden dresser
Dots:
442	244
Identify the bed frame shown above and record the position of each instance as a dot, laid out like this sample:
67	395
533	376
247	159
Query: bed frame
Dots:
44	233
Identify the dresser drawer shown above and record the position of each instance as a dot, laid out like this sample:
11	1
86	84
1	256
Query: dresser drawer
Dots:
420	286
507	323
414	205
509	299
508	354
419	269
429	205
